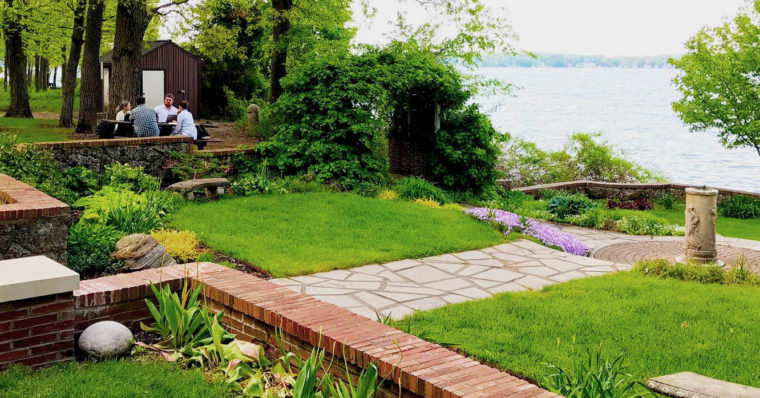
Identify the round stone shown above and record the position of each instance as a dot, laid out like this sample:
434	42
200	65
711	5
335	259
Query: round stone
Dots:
106	339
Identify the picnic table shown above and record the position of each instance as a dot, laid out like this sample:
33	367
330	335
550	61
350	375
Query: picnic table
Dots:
126	129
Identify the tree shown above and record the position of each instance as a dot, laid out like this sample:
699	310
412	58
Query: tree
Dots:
88	95
720	82
72	64
13	15
281	28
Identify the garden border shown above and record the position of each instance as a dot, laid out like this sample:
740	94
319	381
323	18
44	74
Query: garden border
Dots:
255	309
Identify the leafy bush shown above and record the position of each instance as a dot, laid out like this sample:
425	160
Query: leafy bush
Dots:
667	200
181	245
256	184
740	207
127	211
181	167
428	203
89	248
570	205
128	177
412	188
81	180
593	377
34	166
646	224
387	194
594	218
301	185
368	189
739	274
638	204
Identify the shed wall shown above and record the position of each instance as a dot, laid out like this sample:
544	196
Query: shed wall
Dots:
182	73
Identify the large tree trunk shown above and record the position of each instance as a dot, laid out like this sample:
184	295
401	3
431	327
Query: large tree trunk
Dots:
37	73
45	78
90	92
132	19
16	68
279	52
69	72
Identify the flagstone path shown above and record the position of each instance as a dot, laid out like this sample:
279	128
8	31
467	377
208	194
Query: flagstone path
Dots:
399	288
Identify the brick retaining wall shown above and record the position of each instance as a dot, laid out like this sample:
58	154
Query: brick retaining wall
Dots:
148	152
255	308
624	191
31	222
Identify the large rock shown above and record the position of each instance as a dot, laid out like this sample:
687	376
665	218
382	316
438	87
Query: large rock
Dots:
140	251
106	339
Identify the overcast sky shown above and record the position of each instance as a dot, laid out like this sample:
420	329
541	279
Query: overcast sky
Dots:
589	27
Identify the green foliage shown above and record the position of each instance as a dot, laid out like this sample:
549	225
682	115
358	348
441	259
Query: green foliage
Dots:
738	274
412	188
593	377
512	200
89	248
182	167
569	205
667	200
718	81
336	136
583	158
81	180
128	177
642	223
368	189
256	184
127	211
740	206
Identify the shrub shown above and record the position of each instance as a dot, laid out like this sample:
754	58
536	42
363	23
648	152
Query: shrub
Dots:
127	211
301	185
387	194
593	218
740	207
89	248
412	188
128	177
81	180
739	274
256	184
512	200
571	205
667	200
181	245
367	189
428	203
181	167
646	224
592	377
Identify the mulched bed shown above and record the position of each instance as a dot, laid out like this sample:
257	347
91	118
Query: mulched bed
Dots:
240	265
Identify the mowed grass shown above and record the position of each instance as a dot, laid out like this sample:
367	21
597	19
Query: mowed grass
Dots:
661	327
305	233
730	227
34	130
125	378
41	101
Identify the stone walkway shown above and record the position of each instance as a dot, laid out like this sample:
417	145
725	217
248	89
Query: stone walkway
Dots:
399	288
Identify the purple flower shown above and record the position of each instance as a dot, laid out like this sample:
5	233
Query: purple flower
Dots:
543	232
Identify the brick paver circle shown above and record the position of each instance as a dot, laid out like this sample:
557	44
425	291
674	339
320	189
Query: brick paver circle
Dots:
632	252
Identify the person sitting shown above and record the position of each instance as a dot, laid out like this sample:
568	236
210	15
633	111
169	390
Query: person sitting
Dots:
166	109
185	122
121	115
144	120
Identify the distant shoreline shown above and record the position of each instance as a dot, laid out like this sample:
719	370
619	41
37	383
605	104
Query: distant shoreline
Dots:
576	61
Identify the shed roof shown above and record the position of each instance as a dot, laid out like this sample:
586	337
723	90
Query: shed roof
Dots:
106	58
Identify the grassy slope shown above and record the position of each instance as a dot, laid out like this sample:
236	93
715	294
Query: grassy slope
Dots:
661	326
305	233
731	227
43	101
33	130
110	379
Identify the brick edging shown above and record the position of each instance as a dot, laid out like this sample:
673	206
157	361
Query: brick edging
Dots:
25	202
422	368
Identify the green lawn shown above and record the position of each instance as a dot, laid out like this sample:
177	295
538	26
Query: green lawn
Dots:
125	378
731	227
305	233
33	130
661	326
43	101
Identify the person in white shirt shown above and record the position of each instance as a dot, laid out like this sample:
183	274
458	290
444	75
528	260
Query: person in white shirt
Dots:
185	122
166	109
121	115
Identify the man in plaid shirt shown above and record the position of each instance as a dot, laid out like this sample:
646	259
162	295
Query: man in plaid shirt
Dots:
144	120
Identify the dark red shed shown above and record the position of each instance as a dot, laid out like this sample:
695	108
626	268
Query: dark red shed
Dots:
165	68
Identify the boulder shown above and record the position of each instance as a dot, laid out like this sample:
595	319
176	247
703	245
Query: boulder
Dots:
140	251
106	339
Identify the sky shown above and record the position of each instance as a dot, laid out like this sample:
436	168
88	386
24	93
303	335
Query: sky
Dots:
588	27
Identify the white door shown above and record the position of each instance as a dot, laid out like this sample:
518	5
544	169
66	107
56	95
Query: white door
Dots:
153	87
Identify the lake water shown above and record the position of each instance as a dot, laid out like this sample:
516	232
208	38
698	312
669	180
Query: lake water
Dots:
631	108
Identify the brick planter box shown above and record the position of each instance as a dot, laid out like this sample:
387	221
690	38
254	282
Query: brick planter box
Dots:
31	222
256	309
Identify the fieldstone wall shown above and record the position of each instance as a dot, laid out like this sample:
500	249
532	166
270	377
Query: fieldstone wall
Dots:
31	222
150	152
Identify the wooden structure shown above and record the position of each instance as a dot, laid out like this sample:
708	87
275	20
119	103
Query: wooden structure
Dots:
164	68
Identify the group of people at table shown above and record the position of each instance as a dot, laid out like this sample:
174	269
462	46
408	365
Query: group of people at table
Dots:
145	120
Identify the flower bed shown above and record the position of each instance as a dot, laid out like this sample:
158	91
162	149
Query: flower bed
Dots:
545	233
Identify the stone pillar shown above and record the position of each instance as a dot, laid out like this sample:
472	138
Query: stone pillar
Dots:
701	214
253	117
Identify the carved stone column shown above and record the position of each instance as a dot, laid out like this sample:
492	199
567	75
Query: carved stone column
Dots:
701	215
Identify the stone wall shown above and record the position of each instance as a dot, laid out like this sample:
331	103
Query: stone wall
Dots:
149	152
259	311
623	191
31	222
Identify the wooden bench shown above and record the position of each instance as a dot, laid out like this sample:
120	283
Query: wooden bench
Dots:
688	384
189	187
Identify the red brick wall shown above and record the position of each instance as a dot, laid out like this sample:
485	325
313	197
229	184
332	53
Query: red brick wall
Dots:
37	331
256	309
